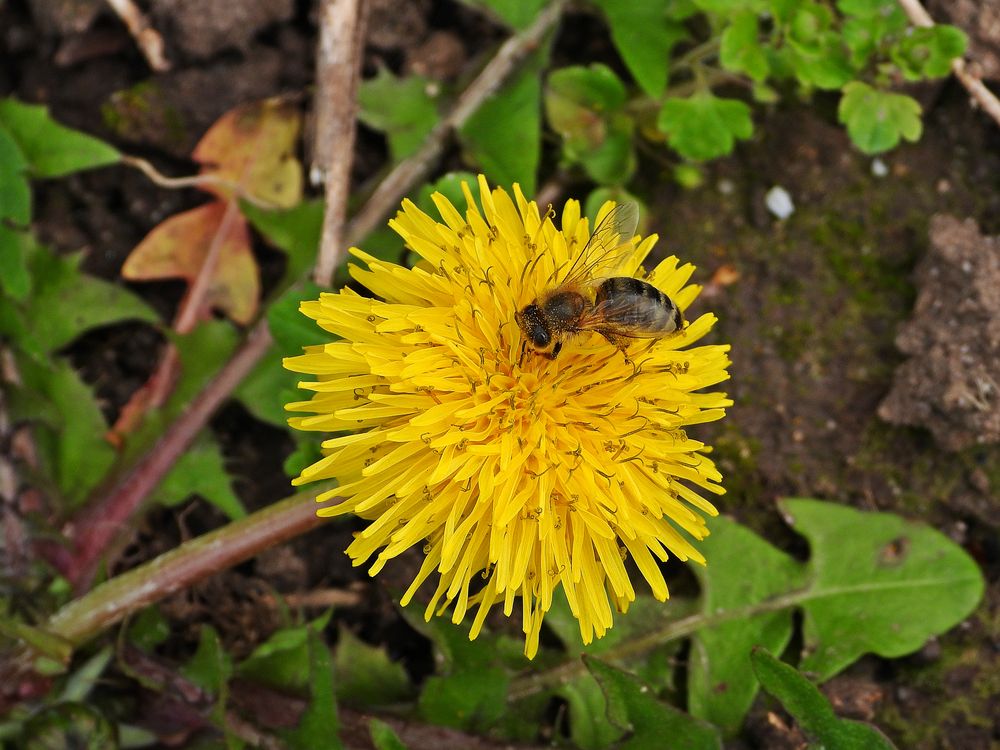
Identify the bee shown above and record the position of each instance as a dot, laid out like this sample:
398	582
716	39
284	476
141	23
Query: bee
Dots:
620	308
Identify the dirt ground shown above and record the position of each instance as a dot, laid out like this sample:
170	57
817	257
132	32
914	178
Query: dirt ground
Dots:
818	308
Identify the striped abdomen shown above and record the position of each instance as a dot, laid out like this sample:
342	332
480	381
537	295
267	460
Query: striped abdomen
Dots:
631	307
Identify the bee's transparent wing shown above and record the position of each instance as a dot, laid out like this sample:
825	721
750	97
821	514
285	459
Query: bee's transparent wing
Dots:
607	247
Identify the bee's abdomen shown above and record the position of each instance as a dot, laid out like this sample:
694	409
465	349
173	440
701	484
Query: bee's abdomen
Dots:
630	304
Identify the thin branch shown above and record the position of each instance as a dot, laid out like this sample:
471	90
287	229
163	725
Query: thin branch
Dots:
409	171
149	40
338	68
986	99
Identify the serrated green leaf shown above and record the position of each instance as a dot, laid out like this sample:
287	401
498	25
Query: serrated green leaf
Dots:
319	724
67	302
877	120
811	710
268	387
704	126
405	109
201	470
633	707
721	682
741	50
504	136
14	246
878	584
50	149
306	453
211	667
928	52
384	737
644	35
366	676
73	451
295	231
15	193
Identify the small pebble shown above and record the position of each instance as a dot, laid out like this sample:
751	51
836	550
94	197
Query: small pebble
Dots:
879	169
779	202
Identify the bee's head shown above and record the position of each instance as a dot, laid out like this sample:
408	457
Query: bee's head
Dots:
532	325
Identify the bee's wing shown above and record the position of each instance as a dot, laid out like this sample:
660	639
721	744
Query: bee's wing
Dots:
607	247
622	316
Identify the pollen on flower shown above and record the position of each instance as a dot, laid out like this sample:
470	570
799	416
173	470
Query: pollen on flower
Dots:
514	472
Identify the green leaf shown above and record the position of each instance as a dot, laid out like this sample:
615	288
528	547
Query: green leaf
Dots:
384	736
645	36
589	726
201	470
83	680
405	109
67	302
73	450
319	724
15	193
504	136
14	247
876	120
282	661
928	52
633	706
741	50
366	676
878	584
50	149
470	691
68	725
584	105
295	231
269	386
724	7
704	126
518	14
811	710
868	8
148	629
211	667
721	683
450	186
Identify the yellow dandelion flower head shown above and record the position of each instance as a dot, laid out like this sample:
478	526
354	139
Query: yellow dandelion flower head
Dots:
517	473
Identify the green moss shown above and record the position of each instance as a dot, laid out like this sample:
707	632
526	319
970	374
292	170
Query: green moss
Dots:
143	113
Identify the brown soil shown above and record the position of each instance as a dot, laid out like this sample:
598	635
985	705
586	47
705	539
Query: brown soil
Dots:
814	306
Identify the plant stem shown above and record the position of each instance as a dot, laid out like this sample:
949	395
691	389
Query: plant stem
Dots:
338	63
114	600
533	682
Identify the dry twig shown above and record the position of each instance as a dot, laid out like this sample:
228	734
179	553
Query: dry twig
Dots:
338	63
986	99
149	40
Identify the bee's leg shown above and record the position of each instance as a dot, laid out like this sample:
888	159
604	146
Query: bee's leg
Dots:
621	343
524	348
555	350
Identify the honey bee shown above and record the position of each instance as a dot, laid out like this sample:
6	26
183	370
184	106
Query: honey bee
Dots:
620	308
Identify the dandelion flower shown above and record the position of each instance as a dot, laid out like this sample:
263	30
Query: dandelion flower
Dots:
516	473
